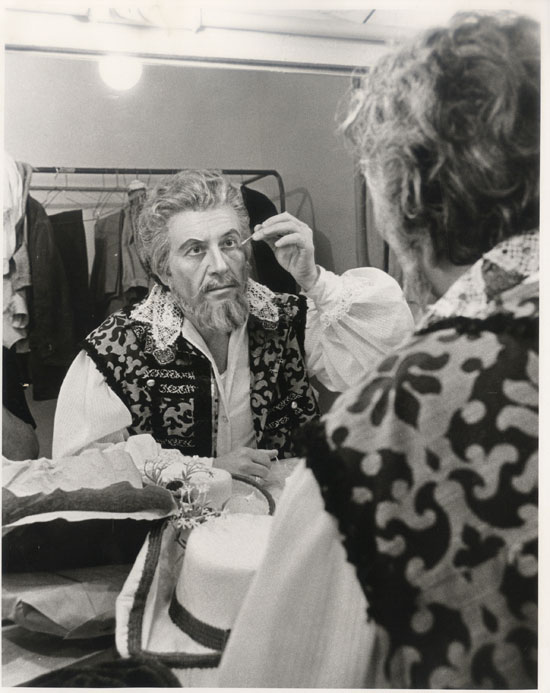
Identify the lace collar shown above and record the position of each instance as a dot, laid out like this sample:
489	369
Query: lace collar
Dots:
166	318
476	294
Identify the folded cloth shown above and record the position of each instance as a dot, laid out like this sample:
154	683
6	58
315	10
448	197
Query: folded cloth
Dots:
91	469
70	604
75	512
94	485
116	501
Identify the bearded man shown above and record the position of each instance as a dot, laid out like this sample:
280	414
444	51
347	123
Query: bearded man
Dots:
211	363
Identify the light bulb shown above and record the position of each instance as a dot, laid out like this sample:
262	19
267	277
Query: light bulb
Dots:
120	72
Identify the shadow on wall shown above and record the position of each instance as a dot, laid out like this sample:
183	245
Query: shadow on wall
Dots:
300	204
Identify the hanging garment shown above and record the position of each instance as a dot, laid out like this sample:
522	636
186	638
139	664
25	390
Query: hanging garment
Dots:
17	278
134	274
266	268
106	282
51	324
105	277
12	207
70	239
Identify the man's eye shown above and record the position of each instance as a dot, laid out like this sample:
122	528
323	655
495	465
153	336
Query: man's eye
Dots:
230	243
194	250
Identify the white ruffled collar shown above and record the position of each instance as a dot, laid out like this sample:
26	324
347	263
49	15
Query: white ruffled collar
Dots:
166	318
476	293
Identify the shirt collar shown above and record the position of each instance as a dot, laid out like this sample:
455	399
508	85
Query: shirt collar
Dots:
161	312
476	293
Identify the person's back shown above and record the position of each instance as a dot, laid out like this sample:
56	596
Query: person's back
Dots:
430	465
438	499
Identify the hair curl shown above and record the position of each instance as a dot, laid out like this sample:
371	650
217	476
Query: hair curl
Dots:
449	125
188	190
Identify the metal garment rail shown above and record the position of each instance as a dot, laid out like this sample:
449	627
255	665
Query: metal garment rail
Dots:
253	175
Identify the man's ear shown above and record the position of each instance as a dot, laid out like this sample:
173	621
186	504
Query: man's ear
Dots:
162	282
164	276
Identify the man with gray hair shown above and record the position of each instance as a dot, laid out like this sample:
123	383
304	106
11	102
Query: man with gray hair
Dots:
212	363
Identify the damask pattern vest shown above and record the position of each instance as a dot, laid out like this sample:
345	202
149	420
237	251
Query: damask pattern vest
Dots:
175	399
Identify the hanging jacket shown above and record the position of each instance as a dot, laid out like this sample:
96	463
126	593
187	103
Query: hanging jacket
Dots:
51	325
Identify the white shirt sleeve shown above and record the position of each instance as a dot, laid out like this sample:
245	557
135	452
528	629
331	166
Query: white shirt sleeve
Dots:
303	623
353	321
87	411
90	415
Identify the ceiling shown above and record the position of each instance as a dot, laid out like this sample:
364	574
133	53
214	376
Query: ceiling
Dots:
229	34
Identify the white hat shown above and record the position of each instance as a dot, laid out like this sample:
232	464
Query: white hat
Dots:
181	598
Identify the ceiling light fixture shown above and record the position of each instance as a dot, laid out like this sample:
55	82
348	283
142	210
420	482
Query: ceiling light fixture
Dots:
120	72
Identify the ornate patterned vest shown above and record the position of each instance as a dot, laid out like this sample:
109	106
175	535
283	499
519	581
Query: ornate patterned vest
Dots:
172	393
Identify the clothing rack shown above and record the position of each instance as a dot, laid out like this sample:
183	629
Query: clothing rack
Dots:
253	176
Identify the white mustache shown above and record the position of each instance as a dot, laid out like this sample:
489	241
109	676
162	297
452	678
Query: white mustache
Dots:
228	279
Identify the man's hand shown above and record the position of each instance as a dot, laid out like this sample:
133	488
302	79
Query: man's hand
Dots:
247	462
292	242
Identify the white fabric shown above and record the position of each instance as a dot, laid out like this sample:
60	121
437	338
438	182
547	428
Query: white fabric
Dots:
87	411
12	203
93	469
303	623
15	315
353	320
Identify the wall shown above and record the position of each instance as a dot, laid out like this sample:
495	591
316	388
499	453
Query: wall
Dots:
58	112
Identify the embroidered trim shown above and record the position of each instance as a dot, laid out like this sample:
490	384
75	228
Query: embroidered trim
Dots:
342	306
166	318
184	389
163	314
262	303
169	373
476	293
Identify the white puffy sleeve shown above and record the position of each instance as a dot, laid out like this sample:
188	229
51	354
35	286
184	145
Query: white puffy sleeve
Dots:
88	412
353	321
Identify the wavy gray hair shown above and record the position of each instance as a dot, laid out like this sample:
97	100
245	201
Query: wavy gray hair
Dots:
189	190
449	127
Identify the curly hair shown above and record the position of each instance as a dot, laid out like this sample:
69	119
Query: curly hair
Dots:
188	190
449	126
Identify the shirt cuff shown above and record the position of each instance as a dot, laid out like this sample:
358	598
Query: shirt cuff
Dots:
324	289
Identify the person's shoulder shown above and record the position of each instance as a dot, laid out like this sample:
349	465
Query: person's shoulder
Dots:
116	322
435	373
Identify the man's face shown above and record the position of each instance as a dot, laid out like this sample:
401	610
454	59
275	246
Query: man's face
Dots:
207	267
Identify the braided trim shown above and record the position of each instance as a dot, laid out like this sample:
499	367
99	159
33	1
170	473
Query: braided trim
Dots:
201	632
176	660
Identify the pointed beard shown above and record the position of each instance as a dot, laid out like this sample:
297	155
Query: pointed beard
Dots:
222	316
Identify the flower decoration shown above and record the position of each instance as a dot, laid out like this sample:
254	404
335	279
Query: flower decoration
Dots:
189	492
